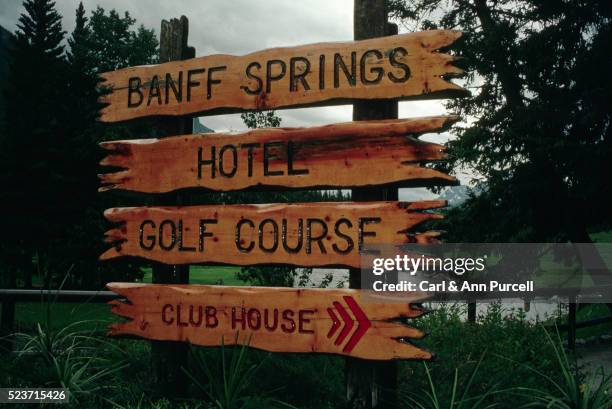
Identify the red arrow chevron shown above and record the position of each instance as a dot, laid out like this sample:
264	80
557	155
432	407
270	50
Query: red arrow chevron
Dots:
336	323
348	323
362	319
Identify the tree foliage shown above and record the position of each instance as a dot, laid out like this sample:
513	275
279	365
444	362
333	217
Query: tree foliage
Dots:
261	119
49	152
32	144
537	129
116	44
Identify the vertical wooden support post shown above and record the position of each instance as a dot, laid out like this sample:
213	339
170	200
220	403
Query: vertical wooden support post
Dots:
7	323
471	312
7	317
571	324
169	357
371	384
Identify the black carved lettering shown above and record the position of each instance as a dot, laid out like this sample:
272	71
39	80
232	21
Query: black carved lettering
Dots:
310	238
250	75
222	161
204	233
212	162
191	83
250	147
238	236
301	77
340	64
154	91
398	64
349	241
177	91
262	234
378	70
363	222
163	245
211	81
150	237
300	236
269	77
134	85
267	157
291	150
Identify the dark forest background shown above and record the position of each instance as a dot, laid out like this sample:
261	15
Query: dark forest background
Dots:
536	136
49	150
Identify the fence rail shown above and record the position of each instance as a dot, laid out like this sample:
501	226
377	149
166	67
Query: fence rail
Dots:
9	297
18	295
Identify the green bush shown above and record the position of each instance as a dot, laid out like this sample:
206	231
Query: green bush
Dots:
501	360
509	340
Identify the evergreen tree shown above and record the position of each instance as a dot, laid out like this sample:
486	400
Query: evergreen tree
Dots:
49	155
31	146
79	55
87	59
538	136
83	80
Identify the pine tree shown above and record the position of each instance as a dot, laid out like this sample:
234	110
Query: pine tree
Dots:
31	145
79	56
41	28
83	80
538	134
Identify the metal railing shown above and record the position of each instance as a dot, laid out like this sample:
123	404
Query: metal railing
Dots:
9	297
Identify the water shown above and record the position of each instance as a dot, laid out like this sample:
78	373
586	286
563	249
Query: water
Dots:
535	311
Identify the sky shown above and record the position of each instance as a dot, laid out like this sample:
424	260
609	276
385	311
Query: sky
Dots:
244	26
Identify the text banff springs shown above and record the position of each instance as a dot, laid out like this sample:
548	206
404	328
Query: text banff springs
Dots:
452	286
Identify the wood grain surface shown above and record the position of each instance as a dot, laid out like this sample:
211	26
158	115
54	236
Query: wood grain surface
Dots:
334	321
352	154
405	66
306	234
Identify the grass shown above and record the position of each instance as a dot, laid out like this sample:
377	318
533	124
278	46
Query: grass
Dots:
225	275
602	236
28	314
593	311
590	312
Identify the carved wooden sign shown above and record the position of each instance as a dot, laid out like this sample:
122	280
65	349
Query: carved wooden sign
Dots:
307	234
394	67
273	319
340	156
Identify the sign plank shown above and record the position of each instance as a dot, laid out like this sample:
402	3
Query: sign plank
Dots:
334	321
339	156
398	67
306	234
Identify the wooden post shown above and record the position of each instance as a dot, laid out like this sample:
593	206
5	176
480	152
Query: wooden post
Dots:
169	357
471	312
7	324
7	317
371	384
571	324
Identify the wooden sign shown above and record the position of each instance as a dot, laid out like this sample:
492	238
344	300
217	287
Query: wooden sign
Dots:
273	319
398	67
340	156
307	234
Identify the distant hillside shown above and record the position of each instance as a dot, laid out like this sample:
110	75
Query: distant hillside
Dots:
5	41
455	195
199	127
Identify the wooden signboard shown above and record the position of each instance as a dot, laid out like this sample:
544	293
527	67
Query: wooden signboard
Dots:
307	234
340	156
394	67
273	319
